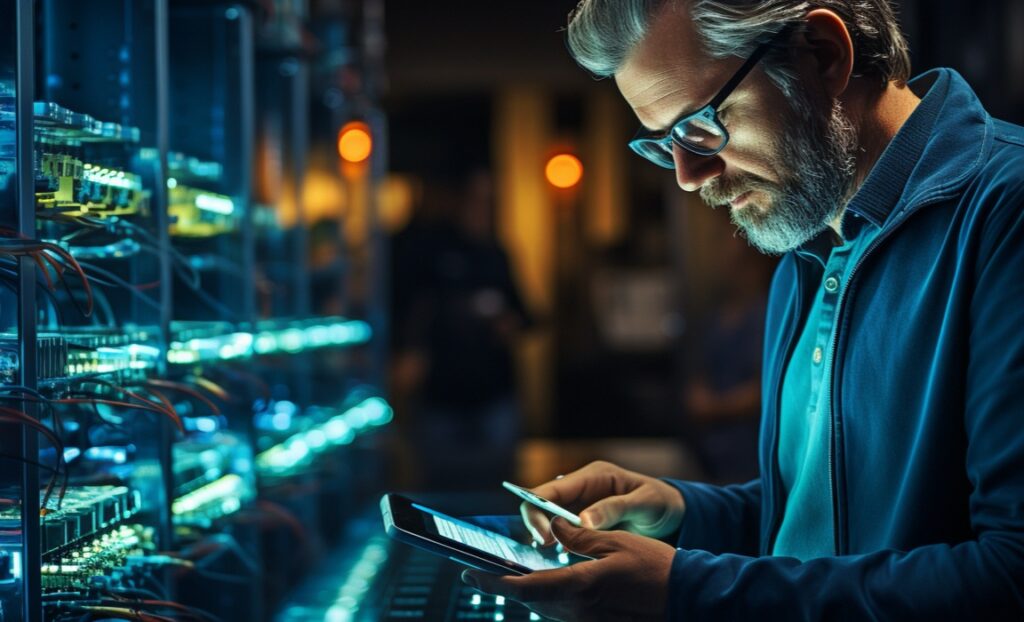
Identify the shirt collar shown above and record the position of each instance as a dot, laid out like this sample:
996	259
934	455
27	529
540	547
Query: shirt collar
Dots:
820	246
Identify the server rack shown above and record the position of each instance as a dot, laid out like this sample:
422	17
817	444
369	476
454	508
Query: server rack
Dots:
174	437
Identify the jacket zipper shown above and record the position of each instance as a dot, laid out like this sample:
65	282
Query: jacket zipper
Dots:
780	369
833	485
833	381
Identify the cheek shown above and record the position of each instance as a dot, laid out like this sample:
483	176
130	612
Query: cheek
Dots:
753	152
756	124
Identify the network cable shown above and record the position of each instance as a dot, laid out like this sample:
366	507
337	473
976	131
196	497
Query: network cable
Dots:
46	253
12	415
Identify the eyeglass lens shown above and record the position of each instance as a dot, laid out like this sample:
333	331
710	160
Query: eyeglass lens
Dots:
700	135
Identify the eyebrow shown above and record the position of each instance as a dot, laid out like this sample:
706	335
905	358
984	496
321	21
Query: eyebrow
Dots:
685	112
674	120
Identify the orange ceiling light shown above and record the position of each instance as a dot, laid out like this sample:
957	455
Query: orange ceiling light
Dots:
564	170
354	142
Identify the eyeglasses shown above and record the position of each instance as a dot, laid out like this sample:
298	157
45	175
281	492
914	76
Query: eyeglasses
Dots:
699	132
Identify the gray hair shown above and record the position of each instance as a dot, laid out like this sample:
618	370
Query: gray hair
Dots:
602	33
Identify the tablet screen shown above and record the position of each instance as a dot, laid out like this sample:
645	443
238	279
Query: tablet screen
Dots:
470	536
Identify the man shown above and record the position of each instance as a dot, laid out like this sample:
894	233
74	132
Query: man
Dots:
892	439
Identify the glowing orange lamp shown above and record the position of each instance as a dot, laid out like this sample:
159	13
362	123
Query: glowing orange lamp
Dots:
564	170
354	142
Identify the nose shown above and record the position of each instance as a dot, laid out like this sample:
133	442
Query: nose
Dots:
692	170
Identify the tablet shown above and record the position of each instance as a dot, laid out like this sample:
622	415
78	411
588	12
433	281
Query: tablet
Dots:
422	527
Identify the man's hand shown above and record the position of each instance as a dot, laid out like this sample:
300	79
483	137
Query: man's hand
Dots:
627	580
609	496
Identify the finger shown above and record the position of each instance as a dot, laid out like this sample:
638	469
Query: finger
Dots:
582	540
489	583
537	523
563	490
610	511
539	586
579	488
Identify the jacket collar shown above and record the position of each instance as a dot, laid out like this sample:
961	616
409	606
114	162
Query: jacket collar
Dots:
938	148
933	154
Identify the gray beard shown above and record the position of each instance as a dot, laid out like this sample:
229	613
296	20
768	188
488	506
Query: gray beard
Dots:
819	153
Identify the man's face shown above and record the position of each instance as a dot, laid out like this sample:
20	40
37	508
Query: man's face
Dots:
788	168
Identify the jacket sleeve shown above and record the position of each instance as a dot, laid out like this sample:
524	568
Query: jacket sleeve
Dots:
978	579
720	519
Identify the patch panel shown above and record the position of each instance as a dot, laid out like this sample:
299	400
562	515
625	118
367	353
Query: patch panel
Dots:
186	169
121	249
195	210
189	170
86	514
271	337
57	124
210	502
184	330
99	337
197	464
108	360
193	344
73	567
67	185
52	357
66	355
212	479
200	213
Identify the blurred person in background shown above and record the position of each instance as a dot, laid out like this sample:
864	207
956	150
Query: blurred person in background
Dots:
457	316
892	447
327	267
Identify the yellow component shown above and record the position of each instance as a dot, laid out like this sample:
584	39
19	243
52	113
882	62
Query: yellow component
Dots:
197	213
79	189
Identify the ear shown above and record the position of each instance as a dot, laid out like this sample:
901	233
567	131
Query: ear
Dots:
830	50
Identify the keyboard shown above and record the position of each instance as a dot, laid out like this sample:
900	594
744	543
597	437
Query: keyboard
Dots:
383	580
428	587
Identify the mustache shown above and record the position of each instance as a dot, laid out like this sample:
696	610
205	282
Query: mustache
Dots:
720	191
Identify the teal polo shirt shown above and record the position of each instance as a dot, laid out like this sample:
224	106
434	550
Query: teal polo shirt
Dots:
805	421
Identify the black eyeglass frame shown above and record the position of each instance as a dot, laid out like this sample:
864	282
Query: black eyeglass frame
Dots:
644	140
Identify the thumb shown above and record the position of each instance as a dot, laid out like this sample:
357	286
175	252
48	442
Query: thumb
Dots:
581	540
606	513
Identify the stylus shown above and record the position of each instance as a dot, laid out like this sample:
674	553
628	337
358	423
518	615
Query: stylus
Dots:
542	503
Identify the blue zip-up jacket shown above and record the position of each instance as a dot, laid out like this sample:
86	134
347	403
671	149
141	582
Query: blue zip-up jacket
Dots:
927	400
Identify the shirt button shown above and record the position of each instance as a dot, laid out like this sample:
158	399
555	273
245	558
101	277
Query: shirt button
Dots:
817	355
831	284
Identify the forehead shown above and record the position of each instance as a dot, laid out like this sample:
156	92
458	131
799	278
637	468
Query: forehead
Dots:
667	72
